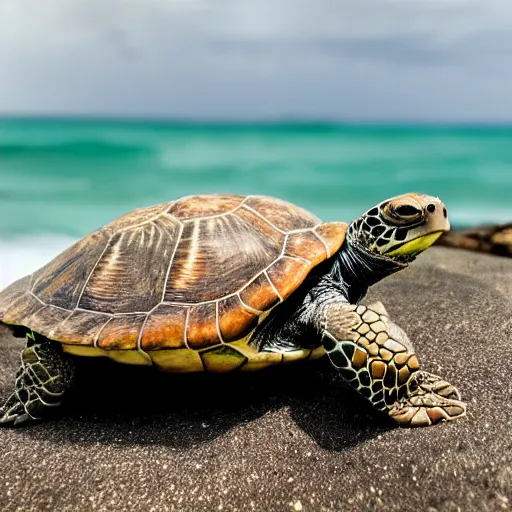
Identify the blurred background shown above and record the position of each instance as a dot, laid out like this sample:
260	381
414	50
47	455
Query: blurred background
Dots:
108	105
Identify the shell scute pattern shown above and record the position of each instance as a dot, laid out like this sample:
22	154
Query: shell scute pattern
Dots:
137	217
283	215
61	281
235	321
199	207
196	273
79	328
165	327
285	272
306	245
21	309
215	257
121	333
47	316
202	326
260	293
331	233
222	359
130	275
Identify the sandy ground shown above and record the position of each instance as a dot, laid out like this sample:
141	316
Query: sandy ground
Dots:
289	438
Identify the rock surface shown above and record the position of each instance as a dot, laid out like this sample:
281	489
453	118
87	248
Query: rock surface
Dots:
489	239
289	438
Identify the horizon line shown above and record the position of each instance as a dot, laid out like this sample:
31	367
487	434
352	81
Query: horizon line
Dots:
255	121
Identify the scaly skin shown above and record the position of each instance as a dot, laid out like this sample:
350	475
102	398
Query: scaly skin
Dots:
378	360
45	374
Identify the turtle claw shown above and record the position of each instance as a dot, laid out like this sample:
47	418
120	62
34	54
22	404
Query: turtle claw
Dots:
424	416
429	400
13	412
10	416
446	390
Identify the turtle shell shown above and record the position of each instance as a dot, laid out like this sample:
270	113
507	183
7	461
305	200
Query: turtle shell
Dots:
194	273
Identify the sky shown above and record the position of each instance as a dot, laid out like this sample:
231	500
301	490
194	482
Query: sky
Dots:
427	60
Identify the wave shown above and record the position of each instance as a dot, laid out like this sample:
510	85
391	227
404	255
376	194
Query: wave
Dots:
75	149
64	178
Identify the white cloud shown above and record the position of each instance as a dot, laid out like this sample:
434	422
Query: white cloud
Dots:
368	59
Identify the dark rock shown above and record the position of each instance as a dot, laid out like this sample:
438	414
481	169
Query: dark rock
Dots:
490	239
288	438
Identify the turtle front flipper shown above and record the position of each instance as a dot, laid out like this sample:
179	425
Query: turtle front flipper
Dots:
44	376
428	399
376	357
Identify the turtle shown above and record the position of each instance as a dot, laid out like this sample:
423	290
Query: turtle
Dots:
222	283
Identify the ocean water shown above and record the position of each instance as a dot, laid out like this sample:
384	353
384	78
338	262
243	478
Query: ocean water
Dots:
60	179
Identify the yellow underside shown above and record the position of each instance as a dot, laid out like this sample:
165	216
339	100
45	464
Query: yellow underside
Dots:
417	245
221	358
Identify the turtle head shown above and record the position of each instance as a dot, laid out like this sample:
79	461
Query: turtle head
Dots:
400	228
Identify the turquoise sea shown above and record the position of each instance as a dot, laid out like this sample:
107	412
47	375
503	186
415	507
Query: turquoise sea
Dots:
60	178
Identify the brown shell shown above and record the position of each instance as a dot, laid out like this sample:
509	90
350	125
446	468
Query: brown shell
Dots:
195	272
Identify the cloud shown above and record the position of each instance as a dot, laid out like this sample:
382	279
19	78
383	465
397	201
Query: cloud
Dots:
414	50
435	59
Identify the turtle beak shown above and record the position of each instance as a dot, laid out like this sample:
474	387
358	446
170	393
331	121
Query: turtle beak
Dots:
435	223
436	215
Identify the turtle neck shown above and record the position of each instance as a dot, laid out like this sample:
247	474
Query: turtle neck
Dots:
359	269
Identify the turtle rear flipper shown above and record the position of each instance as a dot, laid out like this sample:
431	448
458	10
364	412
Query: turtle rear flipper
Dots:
43	378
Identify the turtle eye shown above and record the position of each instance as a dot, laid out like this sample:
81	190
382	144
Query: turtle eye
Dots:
402	213
407	210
